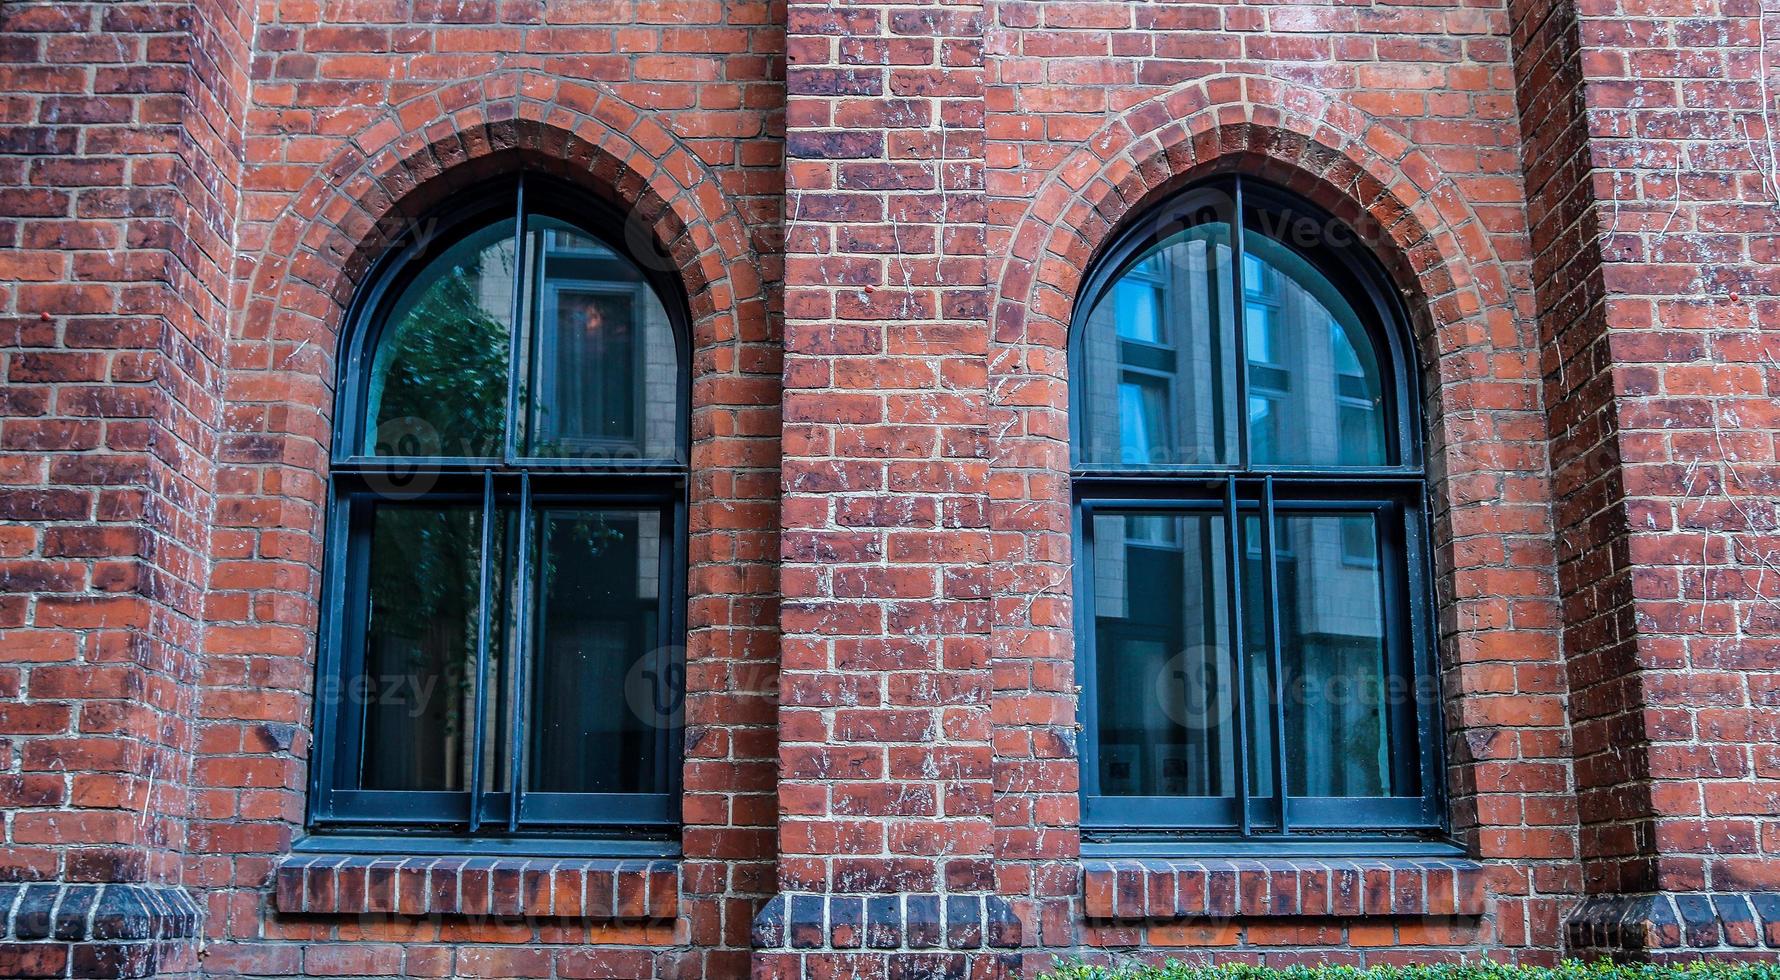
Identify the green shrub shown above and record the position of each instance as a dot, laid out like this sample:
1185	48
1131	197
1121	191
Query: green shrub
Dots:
1569	970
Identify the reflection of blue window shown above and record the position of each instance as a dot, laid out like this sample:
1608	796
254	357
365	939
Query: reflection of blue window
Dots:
1263	427
1260	302
1358	432
1138	307
1257	277
1143	418
588	337
1347	360
1359	542
1244	683
1258	333
1137	303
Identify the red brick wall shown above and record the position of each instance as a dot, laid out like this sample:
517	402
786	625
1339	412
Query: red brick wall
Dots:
363	113
884	691
882	214
885	781
1593	576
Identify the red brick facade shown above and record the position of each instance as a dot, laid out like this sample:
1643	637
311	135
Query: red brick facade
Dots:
882	215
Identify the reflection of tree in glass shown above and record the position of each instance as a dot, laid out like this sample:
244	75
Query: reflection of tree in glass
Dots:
425	595
1365	747
448	366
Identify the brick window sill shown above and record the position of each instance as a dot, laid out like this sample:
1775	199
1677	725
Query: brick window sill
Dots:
495	887
1159	888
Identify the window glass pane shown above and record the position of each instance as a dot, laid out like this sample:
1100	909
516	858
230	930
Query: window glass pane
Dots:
1138	301
1358	432
1260	702
1341	701
1162	645
1263	427
1359	541
603	702
438	379
604	382
417	693
1143	417
1170	316
1308	351
1258	333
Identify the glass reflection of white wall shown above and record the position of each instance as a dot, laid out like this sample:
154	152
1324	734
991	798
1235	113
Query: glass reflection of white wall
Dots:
494	280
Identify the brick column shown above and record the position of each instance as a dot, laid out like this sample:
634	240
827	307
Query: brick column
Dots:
116	215
885	789
1649	230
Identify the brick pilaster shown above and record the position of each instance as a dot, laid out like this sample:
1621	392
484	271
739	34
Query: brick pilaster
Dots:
885	761
1583	423
118	198
1653	288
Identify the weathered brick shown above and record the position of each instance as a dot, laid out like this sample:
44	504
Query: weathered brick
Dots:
881	217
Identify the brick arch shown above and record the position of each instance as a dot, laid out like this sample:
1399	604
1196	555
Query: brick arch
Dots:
1428	235
408	158
1479	375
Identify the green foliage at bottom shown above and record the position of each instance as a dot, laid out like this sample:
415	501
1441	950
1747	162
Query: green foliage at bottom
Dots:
1569	970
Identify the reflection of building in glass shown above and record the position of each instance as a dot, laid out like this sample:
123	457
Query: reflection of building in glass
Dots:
1160	635
493	275
606	354
1151	349
1161	340
1307	351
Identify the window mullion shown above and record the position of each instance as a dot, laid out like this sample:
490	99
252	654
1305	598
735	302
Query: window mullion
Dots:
1270	592
1239	300
516	336
1418	638
1087	679
1233	555
359	560
522	651
484	600
667	591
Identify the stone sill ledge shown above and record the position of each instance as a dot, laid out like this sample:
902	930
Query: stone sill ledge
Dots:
913	921
95	929
1160	888
494	887
74	912
1675	921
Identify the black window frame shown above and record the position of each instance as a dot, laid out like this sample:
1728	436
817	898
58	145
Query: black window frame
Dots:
476	820
1278	823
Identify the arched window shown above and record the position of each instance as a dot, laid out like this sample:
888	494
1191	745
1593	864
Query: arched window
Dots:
506	536
1254	636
